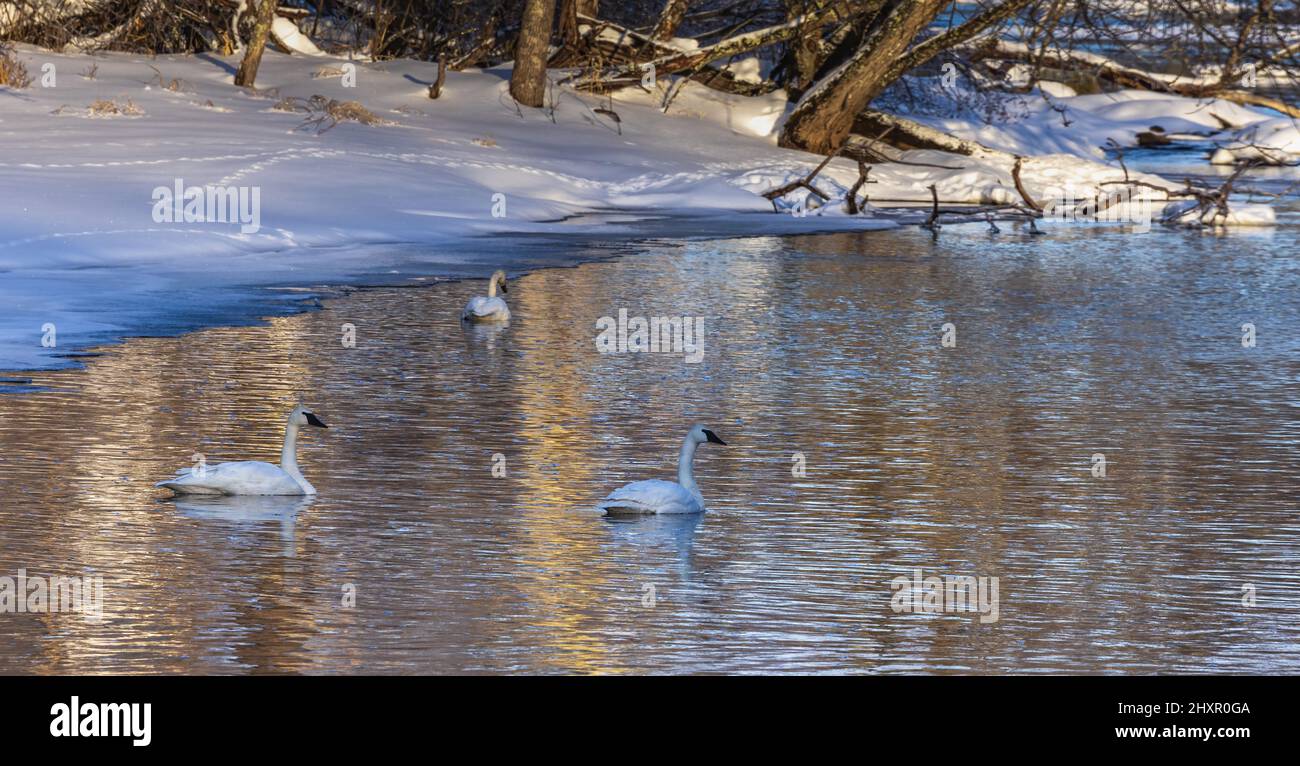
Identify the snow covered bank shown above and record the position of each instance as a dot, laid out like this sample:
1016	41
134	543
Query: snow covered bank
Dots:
90	190
100	234
1053	120
1275	142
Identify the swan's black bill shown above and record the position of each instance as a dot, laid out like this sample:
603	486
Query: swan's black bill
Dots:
503	287
312	420
712	437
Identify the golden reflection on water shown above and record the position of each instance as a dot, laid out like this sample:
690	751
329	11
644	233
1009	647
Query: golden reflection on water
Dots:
973	460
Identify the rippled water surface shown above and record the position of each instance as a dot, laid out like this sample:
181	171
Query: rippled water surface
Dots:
971	460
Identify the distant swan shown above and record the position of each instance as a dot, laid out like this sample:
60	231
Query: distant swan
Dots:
251	477
658	496
490	308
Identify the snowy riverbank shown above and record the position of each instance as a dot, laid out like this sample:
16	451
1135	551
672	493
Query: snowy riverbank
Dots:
93	243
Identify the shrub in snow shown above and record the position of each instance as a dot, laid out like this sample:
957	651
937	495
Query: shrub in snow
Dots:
12	71
324	113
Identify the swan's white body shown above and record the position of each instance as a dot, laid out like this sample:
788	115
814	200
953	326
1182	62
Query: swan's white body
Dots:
654	496
489	308
251	477
658	496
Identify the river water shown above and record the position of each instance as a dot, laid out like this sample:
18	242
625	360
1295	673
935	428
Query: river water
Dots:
1095	435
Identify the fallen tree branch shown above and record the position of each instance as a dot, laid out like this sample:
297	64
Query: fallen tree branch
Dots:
1124	76
635	51
681	60
870	150
806	182
909	134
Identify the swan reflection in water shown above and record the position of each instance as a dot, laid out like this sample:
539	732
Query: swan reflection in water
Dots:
483	336
248	510
674	532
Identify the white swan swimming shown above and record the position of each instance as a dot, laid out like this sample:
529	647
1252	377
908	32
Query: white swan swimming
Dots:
252	477
658	496
490	308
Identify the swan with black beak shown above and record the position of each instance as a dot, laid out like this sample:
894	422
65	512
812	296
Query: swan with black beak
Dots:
252	477
659	496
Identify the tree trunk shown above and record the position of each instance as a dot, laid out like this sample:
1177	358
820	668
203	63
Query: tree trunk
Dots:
804	51
247	73
528	81
824	116
569	11
670	19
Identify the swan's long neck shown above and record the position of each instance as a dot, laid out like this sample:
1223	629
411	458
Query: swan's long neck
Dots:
492	288
289	455
685	473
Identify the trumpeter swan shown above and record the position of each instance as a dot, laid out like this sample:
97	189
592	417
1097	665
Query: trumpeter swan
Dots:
658	496
252	477
490	308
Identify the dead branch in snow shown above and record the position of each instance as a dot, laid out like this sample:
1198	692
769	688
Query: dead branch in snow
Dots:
851	199
1020	187
1212	203
806	182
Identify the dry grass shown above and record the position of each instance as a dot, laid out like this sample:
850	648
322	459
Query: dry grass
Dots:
108	108
268	94
13	72
325	113
353	111
328	71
